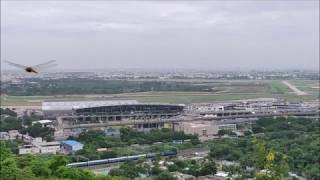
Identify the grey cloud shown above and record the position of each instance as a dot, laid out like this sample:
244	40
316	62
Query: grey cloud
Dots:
163	34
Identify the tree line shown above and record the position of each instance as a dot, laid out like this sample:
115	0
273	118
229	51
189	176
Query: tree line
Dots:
90	86
32	167
292	144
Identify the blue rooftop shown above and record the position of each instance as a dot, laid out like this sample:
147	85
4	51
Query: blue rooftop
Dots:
71	142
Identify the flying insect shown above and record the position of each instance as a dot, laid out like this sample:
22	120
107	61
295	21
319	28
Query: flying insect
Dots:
33	69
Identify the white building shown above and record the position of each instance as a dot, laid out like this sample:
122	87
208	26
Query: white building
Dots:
39	146
27	139
208	108
49	147
44	123
29	149
59	108
4	136
14	134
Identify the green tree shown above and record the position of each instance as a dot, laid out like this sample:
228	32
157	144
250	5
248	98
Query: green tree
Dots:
8	166
27	120
172	168
56	162
155	170
40	168
130	169
38	131
108	154
266	161
194	169
25	174
116	172
92	136
25	160
180	164
208	168
264	176
313	171
164	176
4	151
78	174
10	123
8	169
9	112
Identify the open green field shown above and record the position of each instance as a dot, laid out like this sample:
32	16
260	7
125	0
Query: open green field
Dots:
278	87
227	90
308	86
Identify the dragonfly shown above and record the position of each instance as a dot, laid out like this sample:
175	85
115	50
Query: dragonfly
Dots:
33	69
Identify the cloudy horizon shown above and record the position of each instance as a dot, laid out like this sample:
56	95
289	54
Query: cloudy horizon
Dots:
162	35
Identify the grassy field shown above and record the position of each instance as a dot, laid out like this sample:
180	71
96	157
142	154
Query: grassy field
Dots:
308	86
277	87
229	90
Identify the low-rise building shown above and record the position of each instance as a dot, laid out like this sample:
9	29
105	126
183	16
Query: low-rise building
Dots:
14	134
4	136
39	146
29	149
72	146
49	147
37	140
44	123
202	108
63	134
27	139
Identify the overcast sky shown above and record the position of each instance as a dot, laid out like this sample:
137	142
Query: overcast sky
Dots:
179	34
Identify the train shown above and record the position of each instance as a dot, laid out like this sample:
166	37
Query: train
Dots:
121	159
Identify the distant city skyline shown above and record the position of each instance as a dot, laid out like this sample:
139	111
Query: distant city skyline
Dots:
205	35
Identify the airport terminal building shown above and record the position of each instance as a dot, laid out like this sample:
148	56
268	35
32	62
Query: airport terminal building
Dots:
99	112
65	108
131	110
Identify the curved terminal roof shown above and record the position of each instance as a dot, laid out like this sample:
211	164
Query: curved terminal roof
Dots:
69	105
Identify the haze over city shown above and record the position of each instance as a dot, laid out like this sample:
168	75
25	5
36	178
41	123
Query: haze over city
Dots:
160	90
162	35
